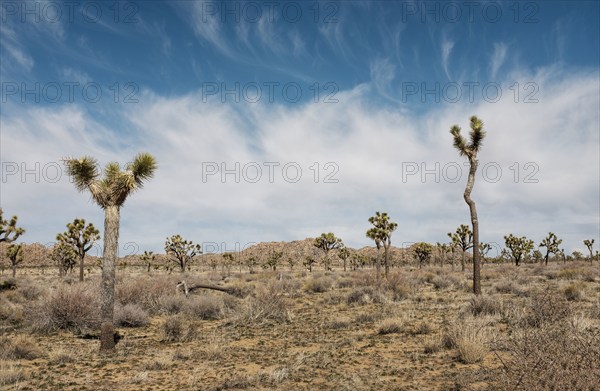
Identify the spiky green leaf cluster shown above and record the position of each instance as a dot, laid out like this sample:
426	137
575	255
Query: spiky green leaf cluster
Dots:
9	232
477	134
117	184
551	242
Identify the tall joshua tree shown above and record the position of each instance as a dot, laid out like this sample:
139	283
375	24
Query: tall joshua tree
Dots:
470	150
9	232
148	257
81	238
520	248
110	193
381	233
589	243
551	242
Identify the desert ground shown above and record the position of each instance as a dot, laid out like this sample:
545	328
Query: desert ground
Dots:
535	327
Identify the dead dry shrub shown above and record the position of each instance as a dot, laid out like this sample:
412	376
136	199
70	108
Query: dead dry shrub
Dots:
10	312
146	292
130	315
556	357
545	308
69	307
205	307
177	328
268	305
10	375
390	326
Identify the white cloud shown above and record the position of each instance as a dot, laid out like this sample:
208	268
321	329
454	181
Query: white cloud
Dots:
447	47
498	58
370	145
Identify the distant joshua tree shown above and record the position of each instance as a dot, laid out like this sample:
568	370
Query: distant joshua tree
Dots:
470	150
381	233
273	260
14	253
519	248
65	257
463	239
9	232
443	250
148	258
181	251
81	238
484	249
344	254
110	194
328	242
551	242
423	252
589	243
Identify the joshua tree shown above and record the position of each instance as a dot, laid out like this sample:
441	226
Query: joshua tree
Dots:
14	253
423	252
251	263
470	150
228	261
328	242
463	239
308	263
381	233
148	257
65	257
519	247
273	260
551	242
81	238
344	254
182	251
484	249
291	261
9	232
589	243
110	193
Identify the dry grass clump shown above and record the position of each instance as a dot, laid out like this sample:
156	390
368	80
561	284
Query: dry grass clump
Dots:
319	284
470	340
8	284
364	295
21	347
177	328
484	305
508	287
433	344
390	326
69	307
30	291
10	312
10	375
130	315
573	292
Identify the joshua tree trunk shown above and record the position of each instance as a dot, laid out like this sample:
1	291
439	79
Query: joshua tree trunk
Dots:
81	256
14	270
475	222
111	239
386	255
462	261
453	259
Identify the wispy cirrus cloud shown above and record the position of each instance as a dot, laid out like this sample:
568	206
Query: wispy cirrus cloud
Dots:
498	58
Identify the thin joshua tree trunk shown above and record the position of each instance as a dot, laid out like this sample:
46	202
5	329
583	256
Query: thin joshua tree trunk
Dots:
386	250
111	239
475	222
81	257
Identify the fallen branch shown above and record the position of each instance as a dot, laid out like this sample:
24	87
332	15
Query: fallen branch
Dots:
181	285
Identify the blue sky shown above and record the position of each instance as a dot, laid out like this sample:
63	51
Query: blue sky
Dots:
361	93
